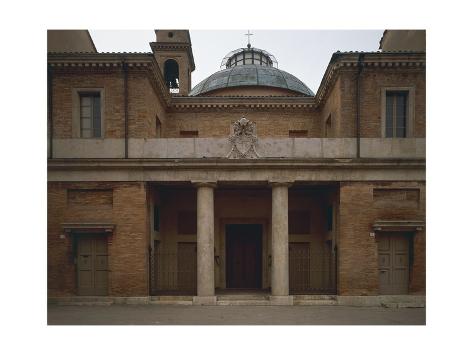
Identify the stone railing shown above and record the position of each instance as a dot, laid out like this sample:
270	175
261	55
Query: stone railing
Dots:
288	148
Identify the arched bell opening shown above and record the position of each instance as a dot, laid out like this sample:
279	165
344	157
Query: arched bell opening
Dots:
171	75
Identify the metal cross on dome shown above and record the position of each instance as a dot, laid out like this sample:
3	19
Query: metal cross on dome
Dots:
249	34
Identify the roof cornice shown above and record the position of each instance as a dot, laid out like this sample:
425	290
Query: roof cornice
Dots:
253	102
396	60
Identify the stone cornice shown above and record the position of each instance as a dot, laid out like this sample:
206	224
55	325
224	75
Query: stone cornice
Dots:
93	62
222	163
232	102
398	225
74	228
371	60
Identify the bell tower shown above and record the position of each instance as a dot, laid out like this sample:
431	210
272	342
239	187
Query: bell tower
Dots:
173	52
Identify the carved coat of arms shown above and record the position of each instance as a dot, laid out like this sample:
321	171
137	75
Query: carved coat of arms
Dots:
243	140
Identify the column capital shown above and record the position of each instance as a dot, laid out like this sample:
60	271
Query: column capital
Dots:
275	183
204	183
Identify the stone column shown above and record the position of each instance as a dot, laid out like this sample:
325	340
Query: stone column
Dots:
280	245
205	244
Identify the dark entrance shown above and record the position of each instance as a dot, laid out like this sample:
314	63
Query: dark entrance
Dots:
243	254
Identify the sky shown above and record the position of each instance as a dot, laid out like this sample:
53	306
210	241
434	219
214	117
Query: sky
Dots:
303	53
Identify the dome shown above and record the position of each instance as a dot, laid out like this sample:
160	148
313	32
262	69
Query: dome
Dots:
250	67
251	75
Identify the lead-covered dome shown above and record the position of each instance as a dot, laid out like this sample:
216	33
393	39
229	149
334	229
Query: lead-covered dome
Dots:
250	66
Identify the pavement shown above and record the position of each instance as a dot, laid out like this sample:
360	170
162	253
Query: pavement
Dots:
119	314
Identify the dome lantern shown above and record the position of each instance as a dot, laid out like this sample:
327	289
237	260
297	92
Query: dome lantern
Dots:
248	55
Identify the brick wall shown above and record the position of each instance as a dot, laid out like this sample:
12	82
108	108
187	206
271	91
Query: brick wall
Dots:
128	246
144	106
373	81
332	107
63	85
269	123
341	100
357	251
143	103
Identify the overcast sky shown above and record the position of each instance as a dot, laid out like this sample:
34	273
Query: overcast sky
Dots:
304	54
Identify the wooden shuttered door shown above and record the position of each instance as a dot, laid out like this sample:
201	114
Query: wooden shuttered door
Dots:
393	261
299	267
187	267
92	266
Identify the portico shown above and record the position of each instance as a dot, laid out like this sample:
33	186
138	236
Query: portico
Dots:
240	237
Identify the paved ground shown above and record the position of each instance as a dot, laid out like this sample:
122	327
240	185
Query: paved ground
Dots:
232	315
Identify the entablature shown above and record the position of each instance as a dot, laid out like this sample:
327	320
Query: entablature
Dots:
236	170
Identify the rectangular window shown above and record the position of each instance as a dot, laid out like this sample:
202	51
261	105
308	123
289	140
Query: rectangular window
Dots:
90	115
158	127
328	126
301	133
189	134
396	114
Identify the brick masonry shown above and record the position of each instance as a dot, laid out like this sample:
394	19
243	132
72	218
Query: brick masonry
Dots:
128	246
217	123
357	250
144	106
125	204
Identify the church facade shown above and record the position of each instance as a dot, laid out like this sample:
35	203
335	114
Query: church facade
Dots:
247	181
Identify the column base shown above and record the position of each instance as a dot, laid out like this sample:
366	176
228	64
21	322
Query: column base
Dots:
204	300
281	300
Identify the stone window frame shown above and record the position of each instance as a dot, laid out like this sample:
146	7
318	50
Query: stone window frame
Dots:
76	93
410	109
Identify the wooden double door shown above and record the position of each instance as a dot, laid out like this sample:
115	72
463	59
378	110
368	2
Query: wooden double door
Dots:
393	263
92	265
244	249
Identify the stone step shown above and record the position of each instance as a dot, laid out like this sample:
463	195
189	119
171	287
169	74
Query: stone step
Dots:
243	297
131	300
80	299
171	298
315	297
243	302
322	302
404	305
171	302
84	303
